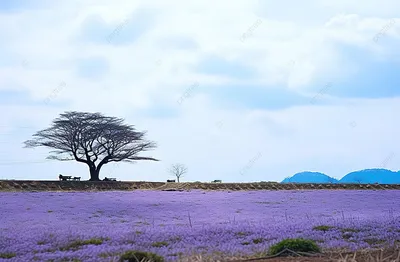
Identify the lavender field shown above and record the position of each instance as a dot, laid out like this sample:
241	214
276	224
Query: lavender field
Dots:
100	226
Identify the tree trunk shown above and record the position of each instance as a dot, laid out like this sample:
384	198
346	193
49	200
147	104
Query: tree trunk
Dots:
94	174
178	179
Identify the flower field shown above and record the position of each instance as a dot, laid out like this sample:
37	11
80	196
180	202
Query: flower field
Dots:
100	226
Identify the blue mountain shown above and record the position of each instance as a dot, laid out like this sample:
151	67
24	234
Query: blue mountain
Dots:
310	177
371	176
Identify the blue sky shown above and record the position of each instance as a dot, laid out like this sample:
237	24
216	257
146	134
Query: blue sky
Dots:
306	92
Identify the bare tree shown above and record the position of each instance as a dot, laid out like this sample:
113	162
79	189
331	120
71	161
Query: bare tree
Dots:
91	137
178	170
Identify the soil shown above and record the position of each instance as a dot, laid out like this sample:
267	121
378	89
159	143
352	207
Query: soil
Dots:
55	185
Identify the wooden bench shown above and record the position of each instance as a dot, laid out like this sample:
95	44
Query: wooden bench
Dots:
217	181
64	178
109	179
170	181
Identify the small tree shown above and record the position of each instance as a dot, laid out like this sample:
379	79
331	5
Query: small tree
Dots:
92	137
178	170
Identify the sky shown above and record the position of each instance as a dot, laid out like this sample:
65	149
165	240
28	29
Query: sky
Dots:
240	90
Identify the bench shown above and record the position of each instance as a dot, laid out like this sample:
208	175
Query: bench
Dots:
64	178
109	179
217	181
170	181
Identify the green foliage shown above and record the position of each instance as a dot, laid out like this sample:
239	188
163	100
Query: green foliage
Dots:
160	244
258	240
140	256
296	245
323	228
78	243
7	255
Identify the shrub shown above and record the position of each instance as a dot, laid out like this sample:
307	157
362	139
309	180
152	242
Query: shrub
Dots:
296	245
140	256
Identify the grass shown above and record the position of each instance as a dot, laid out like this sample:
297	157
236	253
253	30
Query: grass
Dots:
258	240
160	244
78	243
7	255
323	228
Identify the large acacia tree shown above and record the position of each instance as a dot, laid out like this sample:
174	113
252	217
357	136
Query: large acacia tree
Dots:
93	139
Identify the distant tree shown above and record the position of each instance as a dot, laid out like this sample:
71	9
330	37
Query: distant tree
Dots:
92	139
178	170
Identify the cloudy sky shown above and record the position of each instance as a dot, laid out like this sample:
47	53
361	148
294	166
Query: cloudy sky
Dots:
235	90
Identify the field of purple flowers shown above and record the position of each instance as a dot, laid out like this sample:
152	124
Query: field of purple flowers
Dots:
100	226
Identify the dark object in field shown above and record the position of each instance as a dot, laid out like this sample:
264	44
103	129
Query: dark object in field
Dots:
77	178
64	178
92	139
173	189
170	181
217	181
109	179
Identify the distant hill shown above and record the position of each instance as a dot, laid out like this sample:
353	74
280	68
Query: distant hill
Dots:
371	176
310	177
